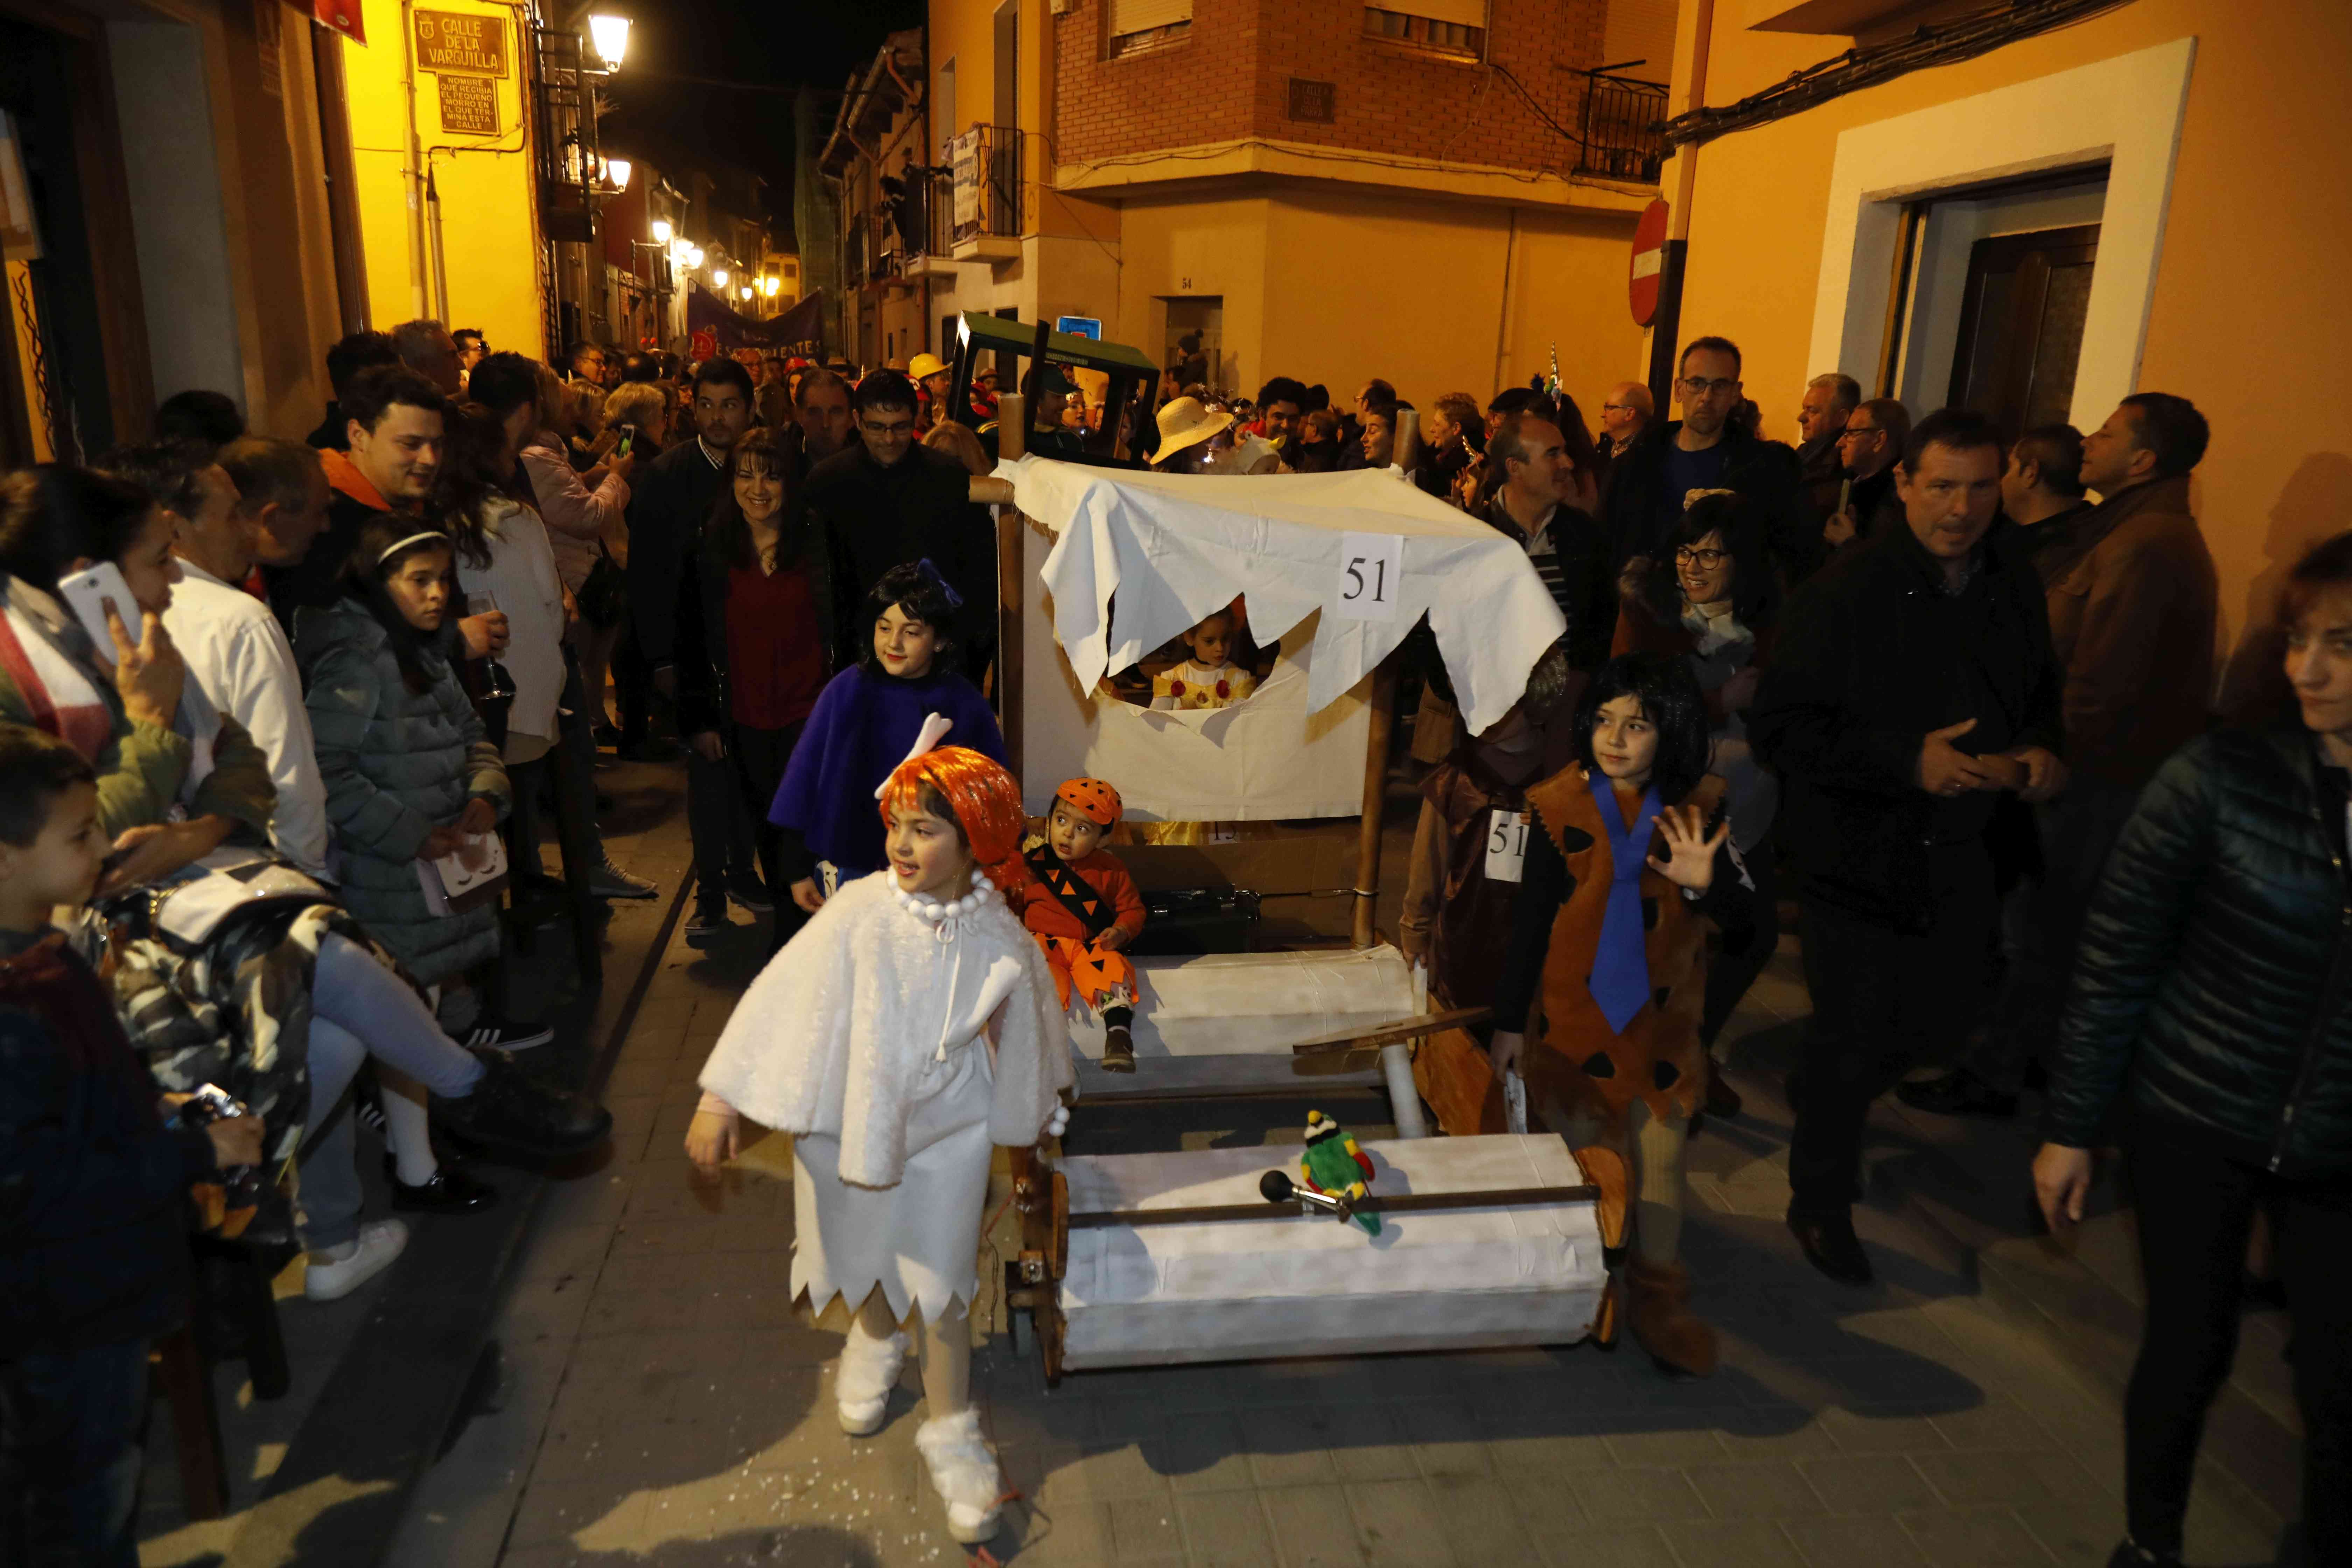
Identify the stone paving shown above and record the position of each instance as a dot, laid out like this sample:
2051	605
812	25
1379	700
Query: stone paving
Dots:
663	1405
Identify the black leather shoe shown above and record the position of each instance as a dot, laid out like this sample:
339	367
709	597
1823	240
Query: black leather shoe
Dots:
1831	1247
512	1111
450	1191
1722	1099
1958	1093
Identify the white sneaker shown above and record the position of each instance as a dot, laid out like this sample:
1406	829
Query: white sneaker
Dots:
870	1371
964	1474
336	1273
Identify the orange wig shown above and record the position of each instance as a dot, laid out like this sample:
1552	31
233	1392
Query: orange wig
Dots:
979	795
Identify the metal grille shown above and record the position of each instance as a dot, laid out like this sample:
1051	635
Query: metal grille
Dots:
563	137
1623	127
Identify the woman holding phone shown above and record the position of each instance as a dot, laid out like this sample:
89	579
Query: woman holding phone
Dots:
127	704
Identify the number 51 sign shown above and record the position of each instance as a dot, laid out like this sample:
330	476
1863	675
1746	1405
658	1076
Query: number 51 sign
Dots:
1371	569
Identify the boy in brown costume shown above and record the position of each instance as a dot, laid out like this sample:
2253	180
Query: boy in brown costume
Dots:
1612	934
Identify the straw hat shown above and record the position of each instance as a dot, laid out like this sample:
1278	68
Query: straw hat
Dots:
1185	422
926	365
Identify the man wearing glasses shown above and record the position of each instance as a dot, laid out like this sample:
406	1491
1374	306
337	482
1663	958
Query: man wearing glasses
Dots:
1822	414
1872	440
1623	418
1654	479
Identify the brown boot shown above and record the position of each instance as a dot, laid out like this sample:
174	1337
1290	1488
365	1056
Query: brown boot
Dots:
1119	1049
1658	1307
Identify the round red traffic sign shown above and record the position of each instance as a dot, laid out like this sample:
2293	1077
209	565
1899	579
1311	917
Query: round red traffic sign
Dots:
1648	263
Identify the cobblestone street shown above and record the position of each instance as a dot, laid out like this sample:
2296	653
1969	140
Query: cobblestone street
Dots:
662	1404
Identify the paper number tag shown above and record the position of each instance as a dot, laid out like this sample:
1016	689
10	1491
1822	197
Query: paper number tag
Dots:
1506	845
1371	569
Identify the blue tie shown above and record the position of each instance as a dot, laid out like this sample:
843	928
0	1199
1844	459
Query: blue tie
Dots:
1621	965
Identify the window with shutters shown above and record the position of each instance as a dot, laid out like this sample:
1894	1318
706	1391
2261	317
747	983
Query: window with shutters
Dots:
1139	24
1455	29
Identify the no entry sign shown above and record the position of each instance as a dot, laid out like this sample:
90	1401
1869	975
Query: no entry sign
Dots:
1648	263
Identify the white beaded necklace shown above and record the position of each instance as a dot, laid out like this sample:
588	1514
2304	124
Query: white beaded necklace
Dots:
947	916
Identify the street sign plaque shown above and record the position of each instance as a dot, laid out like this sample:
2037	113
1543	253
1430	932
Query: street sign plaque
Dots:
469	105
462	42
1648	263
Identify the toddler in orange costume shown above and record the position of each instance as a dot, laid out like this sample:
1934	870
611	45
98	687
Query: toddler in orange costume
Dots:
1080	904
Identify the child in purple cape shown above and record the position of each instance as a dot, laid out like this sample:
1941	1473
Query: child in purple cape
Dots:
863	727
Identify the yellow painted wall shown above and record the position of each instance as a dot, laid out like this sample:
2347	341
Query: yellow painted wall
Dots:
964	31
2247	320
488	224
1337	287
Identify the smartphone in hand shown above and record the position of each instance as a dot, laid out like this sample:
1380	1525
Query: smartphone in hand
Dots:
89	591
628	441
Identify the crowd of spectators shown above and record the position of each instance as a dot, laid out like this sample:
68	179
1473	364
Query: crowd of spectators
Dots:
1942	692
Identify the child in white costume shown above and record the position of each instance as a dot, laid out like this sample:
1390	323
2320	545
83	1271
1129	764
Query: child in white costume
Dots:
911	1025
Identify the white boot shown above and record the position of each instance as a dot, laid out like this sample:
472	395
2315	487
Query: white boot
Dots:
870	1371
336	1271
964	1474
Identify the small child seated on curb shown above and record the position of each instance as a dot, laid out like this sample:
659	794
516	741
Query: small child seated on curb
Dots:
1082	907
94	1212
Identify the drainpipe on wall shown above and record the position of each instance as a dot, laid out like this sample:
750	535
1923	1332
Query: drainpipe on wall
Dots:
413	173
1503	321
1665	328
440	256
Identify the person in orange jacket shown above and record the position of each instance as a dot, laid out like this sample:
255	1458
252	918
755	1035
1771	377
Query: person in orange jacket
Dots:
1082	907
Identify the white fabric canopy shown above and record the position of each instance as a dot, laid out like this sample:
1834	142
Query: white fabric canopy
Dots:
1177	547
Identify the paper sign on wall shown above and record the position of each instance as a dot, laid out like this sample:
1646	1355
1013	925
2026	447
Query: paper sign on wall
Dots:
1371	570
1506	845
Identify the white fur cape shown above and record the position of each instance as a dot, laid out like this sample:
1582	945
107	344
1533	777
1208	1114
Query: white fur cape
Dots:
836	1028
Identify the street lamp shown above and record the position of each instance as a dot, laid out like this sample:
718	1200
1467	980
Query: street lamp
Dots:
617	171
662	232
772	285
694	257
611	36
719	277
746	292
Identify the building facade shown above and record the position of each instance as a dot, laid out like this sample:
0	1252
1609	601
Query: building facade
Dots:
2036	223
1441	193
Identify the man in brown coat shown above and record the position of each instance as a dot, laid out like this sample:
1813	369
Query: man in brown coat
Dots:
2133	607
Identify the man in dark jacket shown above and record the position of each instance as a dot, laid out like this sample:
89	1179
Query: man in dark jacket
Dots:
1872	442
2134	603
668	504
889	500
351	355
2212	1004
1822	414
1652	482
1913	681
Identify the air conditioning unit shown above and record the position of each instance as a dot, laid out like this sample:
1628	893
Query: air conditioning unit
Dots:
1064	7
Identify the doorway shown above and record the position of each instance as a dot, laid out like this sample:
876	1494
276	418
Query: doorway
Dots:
1998	298
2020	330
1195	339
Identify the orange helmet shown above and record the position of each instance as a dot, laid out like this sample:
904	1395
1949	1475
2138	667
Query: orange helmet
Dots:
1092	799
977	789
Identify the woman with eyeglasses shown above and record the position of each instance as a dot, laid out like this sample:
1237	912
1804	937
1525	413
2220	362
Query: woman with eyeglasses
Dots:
1713	604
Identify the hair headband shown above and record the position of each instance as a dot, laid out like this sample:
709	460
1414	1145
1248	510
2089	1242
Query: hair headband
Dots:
931	574
430	536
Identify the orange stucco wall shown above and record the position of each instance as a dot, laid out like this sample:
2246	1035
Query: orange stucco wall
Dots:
2250	318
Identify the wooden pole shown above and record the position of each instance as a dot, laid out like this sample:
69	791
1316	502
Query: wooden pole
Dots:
1376	779
1011	544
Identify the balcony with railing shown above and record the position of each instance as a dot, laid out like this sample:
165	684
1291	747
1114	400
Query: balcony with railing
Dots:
1623	129
984	181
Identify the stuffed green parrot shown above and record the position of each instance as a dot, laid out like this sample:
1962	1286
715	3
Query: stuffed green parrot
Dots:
1333	1164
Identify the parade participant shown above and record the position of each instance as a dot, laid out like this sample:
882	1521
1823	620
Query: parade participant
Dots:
904	1032
1081	905
1617	1055
1210	678
1717	612
866	718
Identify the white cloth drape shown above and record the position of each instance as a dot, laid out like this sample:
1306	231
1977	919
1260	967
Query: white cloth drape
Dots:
1176	547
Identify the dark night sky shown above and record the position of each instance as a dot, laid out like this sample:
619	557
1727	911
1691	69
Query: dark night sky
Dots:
781	42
